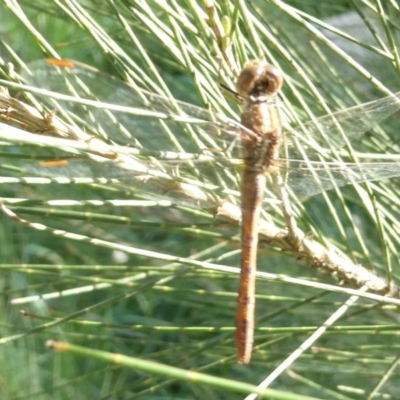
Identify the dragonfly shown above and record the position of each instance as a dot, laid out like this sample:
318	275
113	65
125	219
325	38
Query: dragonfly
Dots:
167	135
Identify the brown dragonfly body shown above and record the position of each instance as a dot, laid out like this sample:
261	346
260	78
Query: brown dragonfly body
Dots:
258	83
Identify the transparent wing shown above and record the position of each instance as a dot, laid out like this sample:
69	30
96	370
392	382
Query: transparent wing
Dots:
140	119
141	178
345	125
156	123
308	178
130	177
208	130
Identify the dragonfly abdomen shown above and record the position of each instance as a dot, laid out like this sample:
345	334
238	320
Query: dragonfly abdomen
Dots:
253	184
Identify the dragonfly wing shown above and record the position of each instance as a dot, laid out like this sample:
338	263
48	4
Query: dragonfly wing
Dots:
333	131
310	178
159	123
133	178
185	128
206	130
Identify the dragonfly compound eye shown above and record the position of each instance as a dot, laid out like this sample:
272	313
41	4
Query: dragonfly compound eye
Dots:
259	78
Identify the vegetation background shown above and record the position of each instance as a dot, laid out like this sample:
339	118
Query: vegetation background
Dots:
83	288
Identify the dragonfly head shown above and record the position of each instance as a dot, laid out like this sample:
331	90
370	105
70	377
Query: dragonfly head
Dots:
258	78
